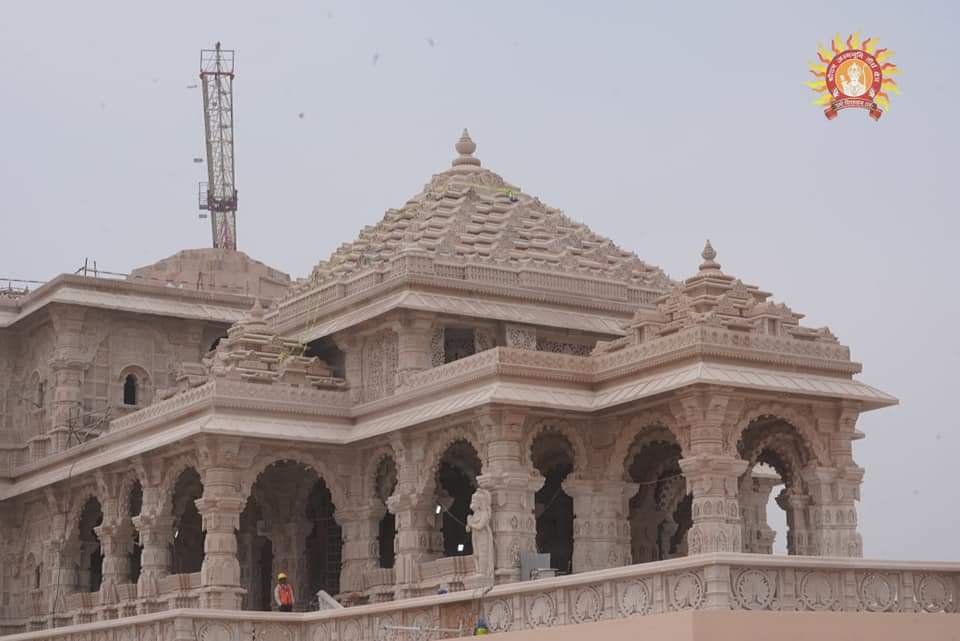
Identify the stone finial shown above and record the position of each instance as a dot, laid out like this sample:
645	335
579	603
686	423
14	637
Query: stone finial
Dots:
708	254
256	312
465	147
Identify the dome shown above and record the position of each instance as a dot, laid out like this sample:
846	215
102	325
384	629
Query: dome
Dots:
470	214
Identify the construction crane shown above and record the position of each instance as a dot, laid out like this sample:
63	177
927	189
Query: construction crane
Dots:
219	194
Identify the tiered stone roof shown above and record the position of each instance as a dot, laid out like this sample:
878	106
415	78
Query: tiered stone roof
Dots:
471	214
714	299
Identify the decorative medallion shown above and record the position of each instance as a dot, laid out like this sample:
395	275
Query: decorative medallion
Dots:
274	633
634	598
500	616
321	632
754	590
214	632
878	593
687	592
350	631
541	611
817	592
587	605
934	594
853	75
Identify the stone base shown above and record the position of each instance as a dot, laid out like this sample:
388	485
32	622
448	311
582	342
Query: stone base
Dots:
222	598
476	582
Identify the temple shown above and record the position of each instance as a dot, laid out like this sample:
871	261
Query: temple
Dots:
476	386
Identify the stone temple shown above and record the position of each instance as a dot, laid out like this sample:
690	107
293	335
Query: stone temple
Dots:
477	411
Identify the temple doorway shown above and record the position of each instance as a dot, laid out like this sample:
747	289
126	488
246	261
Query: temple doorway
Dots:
552	456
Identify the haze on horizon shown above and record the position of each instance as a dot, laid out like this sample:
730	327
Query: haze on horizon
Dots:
658	125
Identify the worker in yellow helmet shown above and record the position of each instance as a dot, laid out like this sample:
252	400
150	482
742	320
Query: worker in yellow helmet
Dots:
283	594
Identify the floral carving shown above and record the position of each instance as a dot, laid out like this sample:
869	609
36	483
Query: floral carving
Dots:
686	591
877	592
754	589
935	594
633	598
500	615
541	610
587	605
818	592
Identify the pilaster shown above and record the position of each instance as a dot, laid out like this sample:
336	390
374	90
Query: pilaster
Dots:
360	526
714	479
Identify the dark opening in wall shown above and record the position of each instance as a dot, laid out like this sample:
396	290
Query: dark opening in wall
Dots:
130	390
458	343
327	351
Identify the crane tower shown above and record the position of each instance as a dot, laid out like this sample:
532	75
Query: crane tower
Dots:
219	194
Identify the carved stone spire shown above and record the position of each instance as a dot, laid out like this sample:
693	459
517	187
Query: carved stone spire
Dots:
465	147
708	254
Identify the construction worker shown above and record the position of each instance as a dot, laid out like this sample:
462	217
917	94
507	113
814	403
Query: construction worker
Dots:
283	594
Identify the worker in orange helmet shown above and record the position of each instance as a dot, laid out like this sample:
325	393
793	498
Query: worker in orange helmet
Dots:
283	594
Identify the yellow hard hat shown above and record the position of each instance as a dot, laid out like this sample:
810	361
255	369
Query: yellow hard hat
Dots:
281	576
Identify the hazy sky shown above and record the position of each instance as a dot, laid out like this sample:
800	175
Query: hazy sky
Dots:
659	125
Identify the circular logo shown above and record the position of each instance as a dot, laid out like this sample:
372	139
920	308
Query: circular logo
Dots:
853	74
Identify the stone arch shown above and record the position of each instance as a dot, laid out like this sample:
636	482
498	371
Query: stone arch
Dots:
374	460
799	419
169	480
436	450
634	427
564	428
143	385
338	492
77	504
452	487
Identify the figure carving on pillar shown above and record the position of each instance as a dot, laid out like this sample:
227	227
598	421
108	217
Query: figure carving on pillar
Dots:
478	524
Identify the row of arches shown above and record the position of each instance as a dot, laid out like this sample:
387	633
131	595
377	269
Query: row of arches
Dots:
289	522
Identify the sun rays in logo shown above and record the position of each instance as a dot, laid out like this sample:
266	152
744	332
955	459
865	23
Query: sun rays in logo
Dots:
881	94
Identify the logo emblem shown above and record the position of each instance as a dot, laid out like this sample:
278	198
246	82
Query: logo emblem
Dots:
854	75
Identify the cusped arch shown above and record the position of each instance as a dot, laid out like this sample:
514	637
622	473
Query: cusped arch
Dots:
78	503
560	427
338	493
439	447
801	421
374	459
650	425
169	480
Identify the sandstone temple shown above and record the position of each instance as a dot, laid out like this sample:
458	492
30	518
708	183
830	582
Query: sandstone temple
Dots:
477	383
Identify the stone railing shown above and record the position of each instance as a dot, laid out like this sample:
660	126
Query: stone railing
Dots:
553	282
719	582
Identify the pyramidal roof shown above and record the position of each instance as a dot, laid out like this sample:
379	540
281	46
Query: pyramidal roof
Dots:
468	213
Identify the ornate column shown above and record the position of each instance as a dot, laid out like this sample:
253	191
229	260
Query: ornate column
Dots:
220	508
712	470
66	369
832	513
360	527
755	490
713	480
601	526
116	545
290	555
413	345
352	348
415	520
512	486
800	540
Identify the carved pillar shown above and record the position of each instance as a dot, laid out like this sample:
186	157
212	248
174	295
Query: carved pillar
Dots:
799	535
755	490
156	535
713	479
512	486
415	521
413	345
601	526
220	508
832	513
352	348
360	527
116	545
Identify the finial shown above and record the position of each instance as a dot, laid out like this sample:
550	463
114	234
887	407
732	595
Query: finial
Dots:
256	313
465	147
708	254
